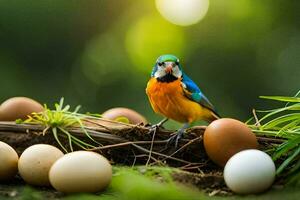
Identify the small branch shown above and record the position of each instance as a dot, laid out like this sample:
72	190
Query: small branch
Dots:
151	147
257	123
160	154
126	144
181	148
270	140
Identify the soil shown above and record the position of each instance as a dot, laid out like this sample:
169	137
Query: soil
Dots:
198	172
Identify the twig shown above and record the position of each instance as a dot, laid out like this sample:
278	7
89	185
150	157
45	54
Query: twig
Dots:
257	123
147	155
110	121
151	146
126	144
192	167
181	148
159	154
96	123
272	140
133	163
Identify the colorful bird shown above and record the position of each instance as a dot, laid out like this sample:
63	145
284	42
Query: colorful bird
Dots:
174	95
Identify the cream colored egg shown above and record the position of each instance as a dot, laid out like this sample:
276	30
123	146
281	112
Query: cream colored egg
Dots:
35	163
80	171
8	162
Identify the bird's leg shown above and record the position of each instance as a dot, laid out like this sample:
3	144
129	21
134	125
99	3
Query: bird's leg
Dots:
178	135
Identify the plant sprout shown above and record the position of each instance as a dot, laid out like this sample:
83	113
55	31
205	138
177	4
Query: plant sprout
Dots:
59	121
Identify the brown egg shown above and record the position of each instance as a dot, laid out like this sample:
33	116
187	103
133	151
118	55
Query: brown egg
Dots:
117	113
225	137
18	108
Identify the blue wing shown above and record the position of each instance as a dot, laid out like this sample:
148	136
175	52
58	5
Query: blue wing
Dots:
193	92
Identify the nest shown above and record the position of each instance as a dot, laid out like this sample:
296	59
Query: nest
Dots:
130	145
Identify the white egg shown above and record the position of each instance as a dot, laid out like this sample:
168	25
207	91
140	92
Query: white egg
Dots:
80	171
249	172
8	162
35	163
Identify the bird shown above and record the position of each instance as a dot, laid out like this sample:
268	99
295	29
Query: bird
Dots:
175	96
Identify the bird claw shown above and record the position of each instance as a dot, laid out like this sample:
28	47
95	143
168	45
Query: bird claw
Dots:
175	138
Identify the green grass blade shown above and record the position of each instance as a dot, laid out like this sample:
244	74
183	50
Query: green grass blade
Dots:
288	161
54	131
286	147
282	98
77	109
270	133
61	103
295	168
80	145
278	111
66	108
280	120
85	131
289	127
82	142
69	137
283	122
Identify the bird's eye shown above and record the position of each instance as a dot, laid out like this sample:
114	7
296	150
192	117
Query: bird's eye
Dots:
161	63
176	62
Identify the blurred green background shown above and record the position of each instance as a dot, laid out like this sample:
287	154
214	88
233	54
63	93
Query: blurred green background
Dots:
99	53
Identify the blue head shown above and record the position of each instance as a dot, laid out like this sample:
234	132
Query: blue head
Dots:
167	68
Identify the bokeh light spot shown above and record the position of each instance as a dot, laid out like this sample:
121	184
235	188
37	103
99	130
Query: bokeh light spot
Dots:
151	37
183	12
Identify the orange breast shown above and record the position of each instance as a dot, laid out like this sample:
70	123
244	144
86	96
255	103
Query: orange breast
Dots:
168	99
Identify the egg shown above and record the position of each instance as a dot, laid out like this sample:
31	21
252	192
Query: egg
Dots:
249	172
8	162
35	162
117	113
80	171
225	137
18	108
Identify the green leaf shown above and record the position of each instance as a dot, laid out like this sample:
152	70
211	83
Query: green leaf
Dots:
285	147
282	98
280	120
288	161
69	138
54	131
